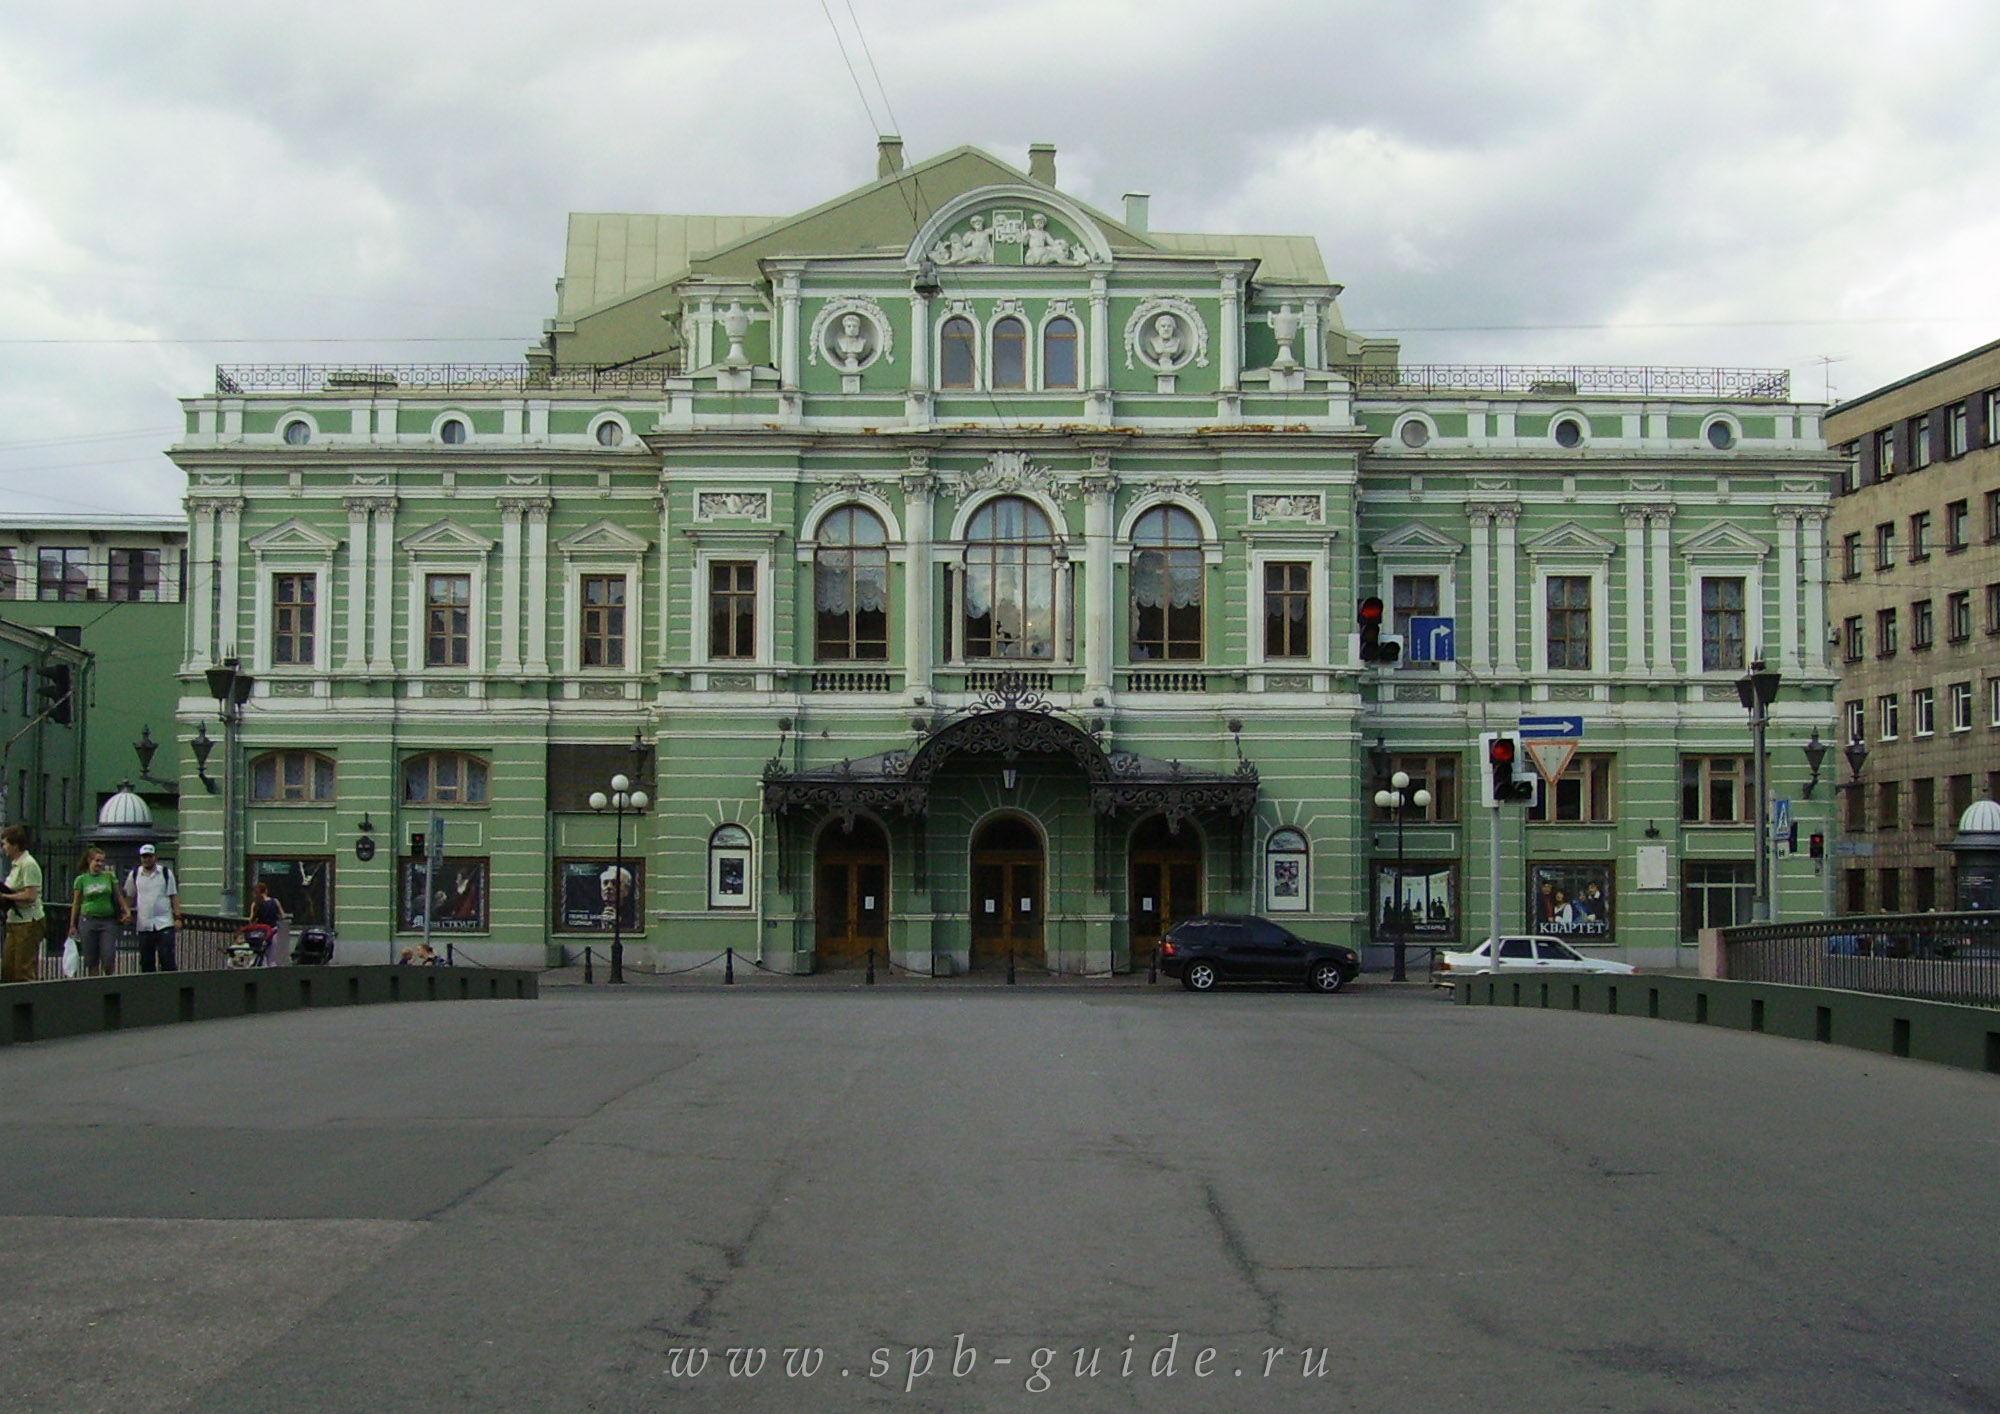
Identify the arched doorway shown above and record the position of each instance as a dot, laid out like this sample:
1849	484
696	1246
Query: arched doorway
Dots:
851	896
1166	882
1007	895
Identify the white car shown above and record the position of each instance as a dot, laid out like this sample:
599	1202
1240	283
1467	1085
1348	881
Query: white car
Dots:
1522	952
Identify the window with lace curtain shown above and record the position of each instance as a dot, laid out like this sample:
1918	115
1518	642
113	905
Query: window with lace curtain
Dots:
851	588
1167	574
1010	582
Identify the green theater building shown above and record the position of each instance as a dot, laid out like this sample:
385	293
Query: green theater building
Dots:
969	576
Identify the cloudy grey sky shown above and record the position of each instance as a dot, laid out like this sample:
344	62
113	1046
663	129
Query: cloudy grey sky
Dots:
1594	181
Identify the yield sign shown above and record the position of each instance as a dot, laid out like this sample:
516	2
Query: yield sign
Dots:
1551	758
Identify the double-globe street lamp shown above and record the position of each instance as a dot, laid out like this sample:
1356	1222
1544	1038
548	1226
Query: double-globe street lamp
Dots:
1397	800
622	801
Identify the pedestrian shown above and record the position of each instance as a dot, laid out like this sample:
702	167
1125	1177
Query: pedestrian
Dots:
268	911
156	910
96	911
22	893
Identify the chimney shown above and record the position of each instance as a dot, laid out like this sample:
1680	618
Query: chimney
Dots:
1138	210
1042	162
888	155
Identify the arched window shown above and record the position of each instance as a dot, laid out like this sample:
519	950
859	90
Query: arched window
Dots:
1059	353
1010	582
1010	354
1287	875
956	365
291	777
444	778
851	588
1166	585
729	867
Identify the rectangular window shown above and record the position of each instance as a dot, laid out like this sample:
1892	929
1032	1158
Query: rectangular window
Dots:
1412	596
135	576
1920	536
1993	705
1287	609
603	597
1852	644
1961	798
1993	418
1850	470
1715	894
1569	621
1850	556
1885	546
1958	616
1582	794
1957	526
732	609
1856	893
1885	633
293	598
1923	890
1993	514
1857	720
1436	774
447	620
1885	454
1888	805
1920	442
1923	712
1714	790
9	573
1855	818
1721	624
1889	716
1923	803
1993	608
1889	890
1923	626
1956	425
1961	706
62	573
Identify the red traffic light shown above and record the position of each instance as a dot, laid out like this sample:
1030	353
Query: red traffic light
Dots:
1371	612
1501	752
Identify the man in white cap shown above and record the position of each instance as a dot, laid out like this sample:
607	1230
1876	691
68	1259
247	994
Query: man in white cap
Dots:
156	910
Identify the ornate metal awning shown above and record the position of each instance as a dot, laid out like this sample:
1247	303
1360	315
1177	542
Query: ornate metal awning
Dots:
1011	724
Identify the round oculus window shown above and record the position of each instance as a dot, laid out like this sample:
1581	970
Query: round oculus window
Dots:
1721	436
298	433
452	432
1415	432
609	434
1569	433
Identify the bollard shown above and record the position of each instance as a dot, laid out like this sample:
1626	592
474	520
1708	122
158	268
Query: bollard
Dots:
1010	964
871	964
729	967
1153	966
588	975
451	955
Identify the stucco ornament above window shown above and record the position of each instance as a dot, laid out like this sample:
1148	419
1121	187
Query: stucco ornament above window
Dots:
850	334
1013	471
986	238
1166	334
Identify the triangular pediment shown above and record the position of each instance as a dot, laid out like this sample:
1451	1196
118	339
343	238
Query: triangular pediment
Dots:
604	538
1570	538
294	537
446	537
1725	538
1416	538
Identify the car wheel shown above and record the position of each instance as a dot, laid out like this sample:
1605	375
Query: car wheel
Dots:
1327	977
1200	977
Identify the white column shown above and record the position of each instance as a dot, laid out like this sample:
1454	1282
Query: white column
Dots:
955	650
384	573
1788	590
788	332
1482	588
1315	353
1100	490
919	487
1635	588
1231	332
662	504
356	657
1100	333
511	510
1813	522
229	534
200	591
537	606
1505	589
1662	591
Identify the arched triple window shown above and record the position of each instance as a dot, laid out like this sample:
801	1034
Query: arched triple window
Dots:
851	588
957	366
444	778
1010	353
1010	582
1167	574
1059	353
291	777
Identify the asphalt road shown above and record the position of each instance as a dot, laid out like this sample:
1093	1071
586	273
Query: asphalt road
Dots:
1240	1202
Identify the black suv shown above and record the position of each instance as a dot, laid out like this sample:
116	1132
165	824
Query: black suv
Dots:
1214	947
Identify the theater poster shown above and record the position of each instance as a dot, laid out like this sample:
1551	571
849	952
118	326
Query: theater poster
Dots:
1425	909
458	896
1571	900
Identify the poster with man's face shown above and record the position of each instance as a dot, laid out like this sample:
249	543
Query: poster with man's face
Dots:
457	896
592	893
303	887
1571	901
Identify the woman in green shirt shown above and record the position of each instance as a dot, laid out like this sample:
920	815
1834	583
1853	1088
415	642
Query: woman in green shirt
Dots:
96	909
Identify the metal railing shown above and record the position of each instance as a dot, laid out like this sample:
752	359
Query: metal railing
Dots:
1947	957
200	945
236	379
1567	380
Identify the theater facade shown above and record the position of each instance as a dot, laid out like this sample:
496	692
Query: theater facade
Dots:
969	575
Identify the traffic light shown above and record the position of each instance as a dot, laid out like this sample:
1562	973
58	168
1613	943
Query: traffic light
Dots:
55	693
1503	762
1373	648
417	846
1816	845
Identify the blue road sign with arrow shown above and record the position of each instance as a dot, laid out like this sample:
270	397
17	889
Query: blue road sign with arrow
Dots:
1431	640
1552	728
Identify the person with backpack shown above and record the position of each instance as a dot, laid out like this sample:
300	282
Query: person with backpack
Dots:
156	911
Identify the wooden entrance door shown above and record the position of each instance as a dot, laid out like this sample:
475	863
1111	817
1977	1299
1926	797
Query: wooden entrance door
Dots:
1165	872
851	897
1008	869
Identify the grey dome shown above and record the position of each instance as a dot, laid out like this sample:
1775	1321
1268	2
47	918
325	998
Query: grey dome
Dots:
127	809
1982	817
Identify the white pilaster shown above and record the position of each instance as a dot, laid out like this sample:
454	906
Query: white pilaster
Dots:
1635	588
1231	332
919	487
538	589
788	331
511	510
355	659
1506	588
1662	590
1813	522
1482	587
383	572
1100	490
201	586
229	534
1788	589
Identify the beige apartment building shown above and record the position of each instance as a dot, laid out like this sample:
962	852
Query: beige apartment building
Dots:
1914	616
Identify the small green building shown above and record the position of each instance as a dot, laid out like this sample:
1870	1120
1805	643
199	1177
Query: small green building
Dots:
970	577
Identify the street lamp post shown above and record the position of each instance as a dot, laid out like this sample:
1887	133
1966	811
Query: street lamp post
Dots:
1396	799
622	801
230	687
1756	691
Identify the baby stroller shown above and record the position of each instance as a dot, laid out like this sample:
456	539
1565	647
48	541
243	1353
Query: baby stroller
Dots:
314	948
251	945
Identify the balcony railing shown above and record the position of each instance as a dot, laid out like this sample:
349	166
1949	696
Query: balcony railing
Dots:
1947	957
1567	380
234	379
